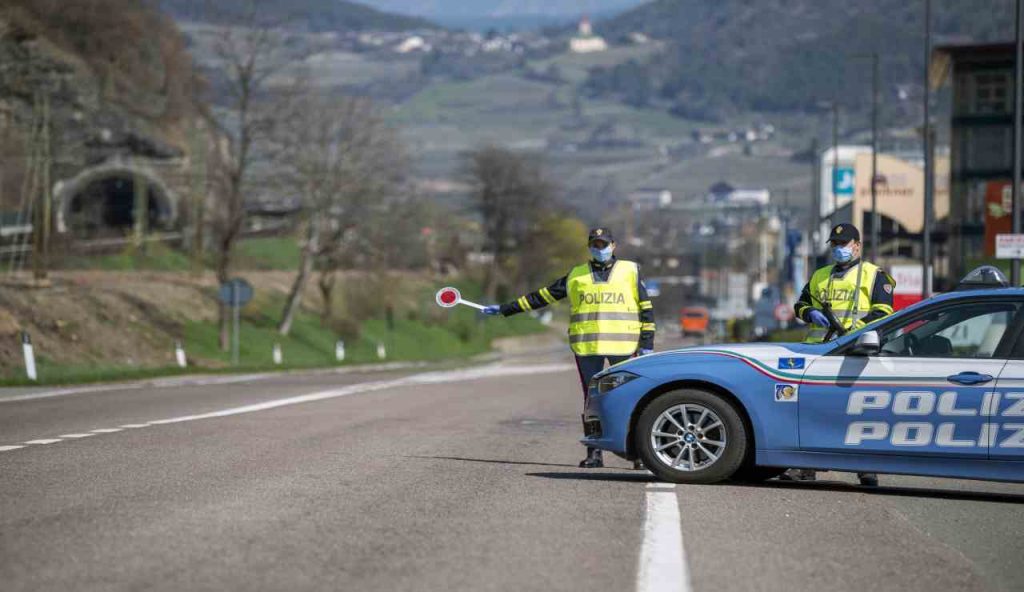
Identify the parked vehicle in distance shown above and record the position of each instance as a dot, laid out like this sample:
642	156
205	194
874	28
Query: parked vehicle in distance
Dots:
694	321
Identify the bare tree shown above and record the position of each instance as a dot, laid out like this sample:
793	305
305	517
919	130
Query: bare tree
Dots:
249	52
345	162
509	193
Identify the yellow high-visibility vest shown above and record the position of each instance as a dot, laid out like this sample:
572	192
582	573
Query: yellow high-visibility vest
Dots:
605	315
849	295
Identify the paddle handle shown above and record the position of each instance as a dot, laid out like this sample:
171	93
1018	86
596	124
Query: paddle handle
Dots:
472	304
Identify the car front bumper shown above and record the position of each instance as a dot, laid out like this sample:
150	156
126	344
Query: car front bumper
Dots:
607	416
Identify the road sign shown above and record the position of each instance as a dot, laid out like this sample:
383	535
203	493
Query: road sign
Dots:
784	313
909	285
653	288
1010	246
235	292
843	181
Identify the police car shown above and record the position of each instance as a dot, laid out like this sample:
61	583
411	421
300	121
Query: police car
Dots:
936	389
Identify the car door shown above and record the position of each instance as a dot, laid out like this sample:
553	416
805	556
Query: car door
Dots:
927	392
1007	413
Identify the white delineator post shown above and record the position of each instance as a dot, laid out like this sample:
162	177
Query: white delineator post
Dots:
30	356
382	352
339	350
179	355
278	357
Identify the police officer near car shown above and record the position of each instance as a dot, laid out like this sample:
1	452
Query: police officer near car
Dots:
855	292
611	315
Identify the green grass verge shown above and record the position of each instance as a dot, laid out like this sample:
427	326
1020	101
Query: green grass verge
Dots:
253	254
421	335
154	257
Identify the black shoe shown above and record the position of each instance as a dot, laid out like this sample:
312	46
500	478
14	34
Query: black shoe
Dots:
798	475
594	460
638	465
868	479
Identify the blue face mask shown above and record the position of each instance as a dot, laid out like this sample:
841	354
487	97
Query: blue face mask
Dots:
842	254
602	255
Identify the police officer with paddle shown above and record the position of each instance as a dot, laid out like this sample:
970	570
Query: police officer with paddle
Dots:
612	317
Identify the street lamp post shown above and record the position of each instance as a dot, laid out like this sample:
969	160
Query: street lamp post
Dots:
1017	79
835	160
876	219
875	216
929	177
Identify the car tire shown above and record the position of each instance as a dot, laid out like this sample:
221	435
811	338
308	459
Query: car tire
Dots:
661	423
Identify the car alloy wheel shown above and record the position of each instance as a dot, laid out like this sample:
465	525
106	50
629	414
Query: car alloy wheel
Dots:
688	437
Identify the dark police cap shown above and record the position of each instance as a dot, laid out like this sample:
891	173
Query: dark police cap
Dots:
844	233
600	234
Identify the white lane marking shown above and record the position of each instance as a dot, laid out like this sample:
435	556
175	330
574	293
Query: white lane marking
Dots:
493	371
426	378
76	436
172	382
662	556
44	441
133	426
6	448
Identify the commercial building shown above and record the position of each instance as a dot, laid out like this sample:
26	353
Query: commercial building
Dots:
981	132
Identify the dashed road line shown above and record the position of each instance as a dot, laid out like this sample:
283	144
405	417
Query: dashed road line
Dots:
438	377
662	556
134	426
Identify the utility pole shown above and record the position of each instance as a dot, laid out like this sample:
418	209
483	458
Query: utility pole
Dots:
876	218
815	217
929	176
1017	79
42	193
835	160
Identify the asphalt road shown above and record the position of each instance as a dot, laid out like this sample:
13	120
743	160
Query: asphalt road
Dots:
451	480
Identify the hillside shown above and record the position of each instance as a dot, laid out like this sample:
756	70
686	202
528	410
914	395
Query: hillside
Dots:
442	10
780	55
314	15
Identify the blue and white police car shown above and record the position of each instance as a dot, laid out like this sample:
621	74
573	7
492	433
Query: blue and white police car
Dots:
936	389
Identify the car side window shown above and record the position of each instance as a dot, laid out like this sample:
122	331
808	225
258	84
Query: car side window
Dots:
967	331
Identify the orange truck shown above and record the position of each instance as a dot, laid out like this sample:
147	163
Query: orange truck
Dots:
694	320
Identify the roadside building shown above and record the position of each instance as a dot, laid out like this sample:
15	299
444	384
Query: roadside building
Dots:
981	132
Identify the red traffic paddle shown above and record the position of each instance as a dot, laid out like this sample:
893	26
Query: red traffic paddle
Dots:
450	297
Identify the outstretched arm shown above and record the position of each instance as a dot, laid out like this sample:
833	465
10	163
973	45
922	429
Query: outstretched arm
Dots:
539	299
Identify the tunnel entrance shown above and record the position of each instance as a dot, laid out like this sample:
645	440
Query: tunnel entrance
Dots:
105	207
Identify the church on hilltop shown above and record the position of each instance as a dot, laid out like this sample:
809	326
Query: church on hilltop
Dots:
585	41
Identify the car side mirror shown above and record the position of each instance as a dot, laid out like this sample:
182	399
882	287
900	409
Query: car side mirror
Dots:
867	344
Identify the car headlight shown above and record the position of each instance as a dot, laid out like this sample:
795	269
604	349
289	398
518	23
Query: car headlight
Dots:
613	381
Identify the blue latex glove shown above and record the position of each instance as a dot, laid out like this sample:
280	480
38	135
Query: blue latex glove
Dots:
492	310
818	318
644	351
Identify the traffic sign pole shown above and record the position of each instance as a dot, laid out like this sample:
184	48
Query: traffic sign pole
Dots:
234	307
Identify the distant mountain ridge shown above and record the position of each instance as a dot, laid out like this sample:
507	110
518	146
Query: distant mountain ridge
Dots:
315	15
446	10
783	54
